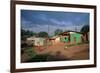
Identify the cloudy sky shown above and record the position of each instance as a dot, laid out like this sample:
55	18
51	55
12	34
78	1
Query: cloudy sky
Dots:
43	20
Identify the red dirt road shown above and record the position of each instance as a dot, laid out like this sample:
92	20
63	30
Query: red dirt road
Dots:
77	52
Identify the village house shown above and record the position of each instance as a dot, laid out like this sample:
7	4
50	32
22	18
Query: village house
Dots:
37	41
70	37
55	39
73	37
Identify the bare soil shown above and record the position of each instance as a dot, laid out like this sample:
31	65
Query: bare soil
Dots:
76	52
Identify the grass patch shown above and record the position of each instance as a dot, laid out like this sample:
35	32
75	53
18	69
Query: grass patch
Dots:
39	58
30	52
34	57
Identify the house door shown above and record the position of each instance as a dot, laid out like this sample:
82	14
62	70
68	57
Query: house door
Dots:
66	39
74	39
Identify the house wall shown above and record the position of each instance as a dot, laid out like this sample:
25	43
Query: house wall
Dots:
39	41
64	39
57	39
75	38
30	41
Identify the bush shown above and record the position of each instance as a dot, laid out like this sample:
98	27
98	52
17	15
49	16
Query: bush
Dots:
24	45
22	51
39	58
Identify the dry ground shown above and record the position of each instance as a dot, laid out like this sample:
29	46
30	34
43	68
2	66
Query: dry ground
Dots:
76	52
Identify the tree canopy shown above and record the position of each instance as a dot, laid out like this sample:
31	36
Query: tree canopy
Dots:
58	31
26	33
43	34
85	29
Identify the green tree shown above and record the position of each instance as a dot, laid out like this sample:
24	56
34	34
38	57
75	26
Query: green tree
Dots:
33	33
43	34
85	30
26	33
58	31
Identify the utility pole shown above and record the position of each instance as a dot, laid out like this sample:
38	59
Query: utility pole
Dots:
75	28
48	29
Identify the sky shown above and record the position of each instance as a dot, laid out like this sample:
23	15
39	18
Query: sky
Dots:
49	21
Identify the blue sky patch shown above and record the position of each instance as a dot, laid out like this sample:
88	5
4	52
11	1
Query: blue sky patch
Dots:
42	20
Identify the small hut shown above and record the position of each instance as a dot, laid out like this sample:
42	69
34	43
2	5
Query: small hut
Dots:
37	41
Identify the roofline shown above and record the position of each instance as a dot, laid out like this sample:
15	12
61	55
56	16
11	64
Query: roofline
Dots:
75	32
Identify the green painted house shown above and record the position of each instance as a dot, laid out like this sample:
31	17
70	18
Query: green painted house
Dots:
71	37
75	37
